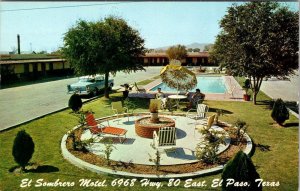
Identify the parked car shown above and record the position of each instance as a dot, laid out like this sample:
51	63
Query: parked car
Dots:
89	85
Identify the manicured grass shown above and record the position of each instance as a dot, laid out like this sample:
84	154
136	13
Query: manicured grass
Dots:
278	164
145	82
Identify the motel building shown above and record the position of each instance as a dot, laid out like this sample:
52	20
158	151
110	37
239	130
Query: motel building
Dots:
17	67
192	59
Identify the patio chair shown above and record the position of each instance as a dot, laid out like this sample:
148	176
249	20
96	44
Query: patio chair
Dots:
138	89
100	129
118	109
210	121
193	102
198	100
165	138
201	110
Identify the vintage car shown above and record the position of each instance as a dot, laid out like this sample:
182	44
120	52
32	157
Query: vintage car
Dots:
89	85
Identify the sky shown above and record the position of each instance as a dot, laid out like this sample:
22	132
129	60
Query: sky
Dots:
159	23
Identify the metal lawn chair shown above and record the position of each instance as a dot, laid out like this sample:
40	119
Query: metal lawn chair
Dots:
165	138
118	109
210	121
138	89
201	110
100	129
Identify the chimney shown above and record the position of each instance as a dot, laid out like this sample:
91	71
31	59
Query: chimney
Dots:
19	49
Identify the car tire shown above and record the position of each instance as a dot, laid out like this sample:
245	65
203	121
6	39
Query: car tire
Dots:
110	86
95	92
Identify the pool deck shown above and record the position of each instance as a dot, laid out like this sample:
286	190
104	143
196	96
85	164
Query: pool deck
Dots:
234	91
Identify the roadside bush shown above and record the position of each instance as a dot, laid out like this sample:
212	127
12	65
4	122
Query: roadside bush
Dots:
23	148
240	169
75	102
279	112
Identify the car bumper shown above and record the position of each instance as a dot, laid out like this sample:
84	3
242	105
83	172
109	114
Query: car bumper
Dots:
79	92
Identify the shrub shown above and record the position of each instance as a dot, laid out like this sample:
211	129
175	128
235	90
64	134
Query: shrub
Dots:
241	127
240	169
208	148
75	102
23	148
279	112
207	152
153	108
81	117
109	147
247	85
157	158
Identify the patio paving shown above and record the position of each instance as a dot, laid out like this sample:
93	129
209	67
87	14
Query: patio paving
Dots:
136	149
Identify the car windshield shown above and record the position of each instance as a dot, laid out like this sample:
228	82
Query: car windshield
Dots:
99	78
86	80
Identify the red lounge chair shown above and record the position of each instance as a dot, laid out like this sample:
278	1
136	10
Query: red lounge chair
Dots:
99	129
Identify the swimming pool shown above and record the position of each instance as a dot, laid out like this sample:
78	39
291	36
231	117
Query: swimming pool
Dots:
207	84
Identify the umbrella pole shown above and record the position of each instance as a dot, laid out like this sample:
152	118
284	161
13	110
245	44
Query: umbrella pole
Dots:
177	100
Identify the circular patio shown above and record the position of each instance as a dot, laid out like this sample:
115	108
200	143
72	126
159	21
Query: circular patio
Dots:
137	150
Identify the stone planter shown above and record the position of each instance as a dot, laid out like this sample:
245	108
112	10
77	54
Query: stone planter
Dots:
145	128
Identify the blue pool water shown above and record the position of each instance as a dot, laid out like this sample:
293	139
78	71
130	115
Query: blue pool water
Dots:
207	84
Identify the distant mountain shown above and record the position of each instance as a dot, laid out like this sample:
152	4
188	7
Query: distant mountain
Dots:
193	45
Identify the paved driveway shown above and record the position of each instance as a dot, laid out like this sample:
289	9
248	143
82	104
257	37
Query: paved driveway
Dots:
24	103
287	90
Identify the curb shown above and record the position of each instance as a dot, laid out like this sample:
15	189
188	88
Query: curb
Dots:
100	170
41	116
293	113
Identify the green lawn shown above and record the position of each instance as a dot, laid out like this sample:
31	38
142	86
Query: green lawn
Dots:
278	164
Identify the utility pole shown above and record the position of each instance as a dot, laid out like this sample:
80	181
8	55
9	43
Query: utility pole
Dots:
19	49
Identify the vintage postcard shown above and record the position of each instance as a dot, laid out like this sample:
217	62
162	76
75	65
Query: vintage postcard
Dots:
149	95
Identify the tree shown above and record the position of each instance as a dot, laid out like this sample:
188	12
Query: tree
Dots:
196	50
42	52
279	112
103	47
23	148
240	169
258	40
207	47
177	52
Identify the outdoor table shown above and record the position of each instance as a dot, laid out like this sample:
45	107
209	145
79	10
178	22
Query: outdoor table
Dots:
177	98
